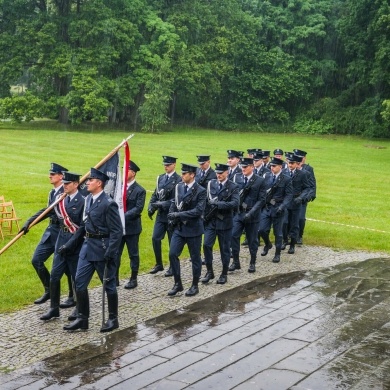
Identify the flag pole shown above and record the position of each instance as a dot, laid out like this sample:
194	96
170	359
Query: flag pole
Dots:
63	195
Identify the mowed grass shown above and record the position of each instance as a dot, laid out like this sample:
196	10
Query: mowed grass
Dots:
351	209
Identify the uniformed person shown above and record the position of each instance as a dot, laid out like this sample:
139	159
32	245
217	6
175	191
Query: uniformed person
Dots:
222	201
204	173
278	153
313	193
252	199
185	218
101	233
233	160
160	201
135	202
301	191
279	196
46	245
70	214
266	158
260	167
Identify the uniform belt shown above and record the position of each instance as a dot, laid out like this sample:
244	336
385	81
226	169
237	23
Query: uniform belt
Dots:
91	235
65	229
53	222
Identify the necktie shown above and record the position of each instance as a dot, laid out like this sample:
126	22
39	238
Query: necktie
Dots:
245	181
90	203
291	173
67	200
255	171
273	179
220	186
166	178
51	195
202	175
185	189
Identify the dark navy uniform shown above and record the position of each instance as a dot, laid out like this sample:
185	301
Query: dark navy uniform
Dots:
301	191
222	201
102	230
161	200
203	178
279	196
135	202
70	220
185	215
46	245
252	199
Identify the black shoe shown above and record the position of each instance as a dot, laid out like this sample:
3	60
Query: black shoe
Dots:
52	313
175	289
132	283
156	268
299	241
266	249
222	279
70	302
283	247
276	259
73	315
291	250
78	323
252	268
193	290
245	243
110	325
45	297
168	273
234	266
209	275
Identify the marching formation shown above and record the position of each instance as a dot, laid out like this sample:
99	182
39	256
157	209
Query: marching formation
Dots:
246	196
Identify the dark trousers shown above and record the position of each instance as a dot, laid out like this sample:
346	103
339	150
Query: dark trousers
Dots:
176	248
251	230
269	219
61	265
86	269
224	240
292	221
132	244
159	230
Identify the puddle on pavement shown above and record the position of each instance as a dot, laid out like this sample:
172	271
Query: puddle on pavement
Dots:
338	295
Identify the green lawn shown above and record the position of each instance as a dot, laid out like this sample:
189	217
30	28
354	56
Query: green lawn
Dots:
351	173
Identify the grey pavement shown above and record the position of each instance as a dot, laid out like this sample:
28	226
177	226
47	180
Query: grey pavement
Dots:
319	319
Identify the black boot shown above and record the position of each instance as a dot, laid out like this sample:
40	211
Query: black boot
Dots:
44	276
169	272
112	322
236	264
276	258
176	288
223	277
209	274
267	246
73	315
193	290
302	223
132	283
81	322
157	268
252	267
70	301
54	311
291	250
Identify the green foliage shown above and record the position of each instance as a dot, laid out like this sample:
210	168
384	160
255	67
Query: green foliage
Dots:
21	108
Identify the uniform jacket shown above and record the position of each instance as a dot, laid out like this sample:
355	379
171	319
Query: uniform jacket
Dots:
280	193
312	181
234	172
252	200
204	181
300	185
74	209
191	221
135	202
228	203
51	232
164	193
101	218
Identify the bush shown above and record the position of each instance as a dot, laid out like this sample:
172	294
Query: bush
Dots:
21	108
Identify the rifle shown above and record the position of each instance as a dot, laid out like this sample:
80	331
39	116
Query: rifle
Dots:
207	217
183	206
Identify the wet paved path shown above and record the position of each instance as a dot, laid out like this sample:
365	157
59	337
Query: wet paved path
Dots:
325	328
